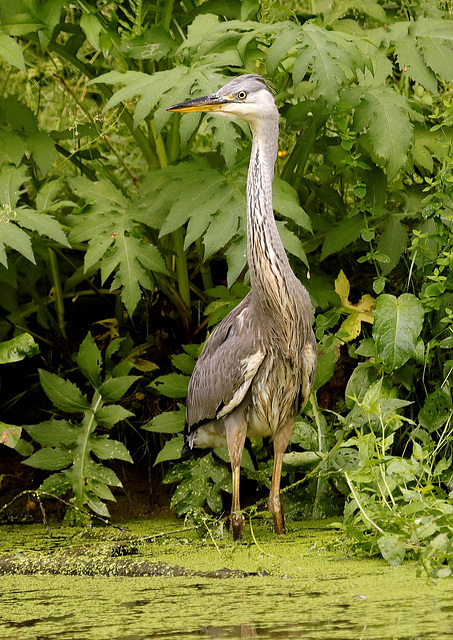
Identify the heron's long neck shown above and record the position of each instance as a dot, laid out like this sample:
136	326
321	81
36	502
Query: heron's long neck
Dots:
270	271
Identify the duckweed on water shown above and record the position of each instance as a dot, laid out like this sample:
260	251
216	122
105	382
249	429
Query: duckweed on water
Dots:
300	586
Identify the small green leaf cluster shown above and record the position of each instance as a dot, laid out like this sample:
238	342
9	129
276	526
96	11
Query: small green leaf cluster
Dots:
73	449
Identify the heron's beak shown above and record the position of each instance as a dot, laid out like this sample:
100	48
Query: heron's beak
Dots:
212	102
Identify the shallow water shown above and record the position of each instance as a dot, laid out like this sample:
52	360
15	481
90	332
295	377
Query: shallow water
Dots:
310	589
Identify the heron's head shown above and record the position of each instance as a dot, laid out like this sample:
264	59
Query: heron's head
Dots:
246	97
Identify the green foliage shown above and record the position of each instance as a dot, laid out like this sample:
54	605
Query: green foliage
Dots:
72	448
117	212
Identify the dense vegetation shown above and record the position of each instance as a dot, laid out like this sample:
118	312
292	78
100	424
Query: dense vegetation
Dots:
122	242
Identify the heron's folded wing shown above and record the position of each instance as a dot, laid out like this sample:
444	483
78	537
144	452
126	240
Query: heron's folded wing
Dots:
227	365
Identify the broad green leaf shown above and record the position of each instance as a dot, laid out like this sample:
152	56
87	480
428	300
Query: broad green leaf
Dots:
49	459
171	450
282	44
89	361
334	57
411	61
11	180
57	484
384	116
286	203
396	329
44	224
53	433
167	422
92	27
62	393
392	548
172	385
392	243
435	39
18	348
292	243
109	415
184	362
436	410
43	149
107	449
114	389
13	237
11	51
342	235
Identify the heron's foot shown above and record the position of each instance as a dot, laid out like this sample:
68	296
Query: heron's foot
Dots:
238	524
276	508
279	523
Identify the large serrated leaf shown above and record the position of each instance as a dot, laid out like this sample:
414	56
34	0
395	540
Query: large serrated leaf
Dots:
53	433
396	329
50	459
107	449
114	389
172	385
168	422
44	224
384	115
109	415
171	450
62	393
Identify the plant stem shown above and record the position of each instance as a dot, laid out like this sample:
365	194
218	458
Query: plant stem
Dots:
367	517
57	291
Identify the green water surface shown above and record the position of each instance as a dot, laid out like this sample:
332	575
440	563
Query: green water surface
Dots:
307	587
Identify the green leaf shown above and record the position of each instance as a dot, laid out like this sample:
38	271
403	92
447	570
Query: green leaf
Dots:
286	203
334	57
53	433
114	389
392	548
341	235
89	361
11	181
11	51
57	484
15	238
62	393
436	410
106	449
384	115
92	27
9	434
411	61
392	243
170	451
43	149
108	416
49	459
167	422
18	348
396	329
172	385
292	243
44	224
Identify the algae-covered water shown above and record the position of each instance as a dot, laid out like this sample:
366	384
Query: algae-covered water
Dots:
302	586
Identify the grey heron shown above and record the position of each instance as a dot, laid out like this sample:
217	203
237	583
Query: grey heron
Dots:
256	370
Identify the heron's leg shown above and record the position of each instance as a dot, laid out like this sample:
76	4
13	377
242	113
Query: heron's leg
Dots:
236	430
281	440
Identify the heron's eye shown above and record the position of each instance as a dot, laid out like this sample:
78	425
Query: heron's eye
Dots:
242	95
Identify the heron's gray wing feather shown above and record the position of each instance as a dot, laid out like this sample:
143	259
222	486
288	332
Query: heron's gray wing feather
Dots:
226	367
